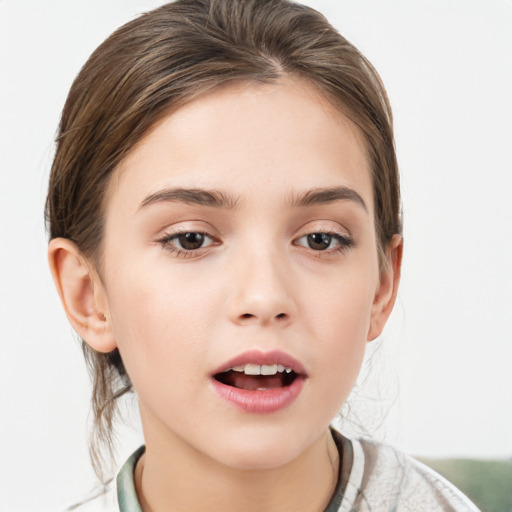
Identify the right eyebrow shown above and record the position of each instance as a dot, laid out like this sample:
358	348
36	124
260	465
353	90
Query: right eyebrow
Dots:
202	197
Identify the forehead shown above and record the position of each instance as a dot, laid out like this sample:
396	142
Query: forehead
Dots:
265	139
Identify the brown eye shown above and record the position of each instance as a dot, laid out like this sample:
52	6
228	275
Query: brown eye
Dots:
325	242
191	241
319	241
187	242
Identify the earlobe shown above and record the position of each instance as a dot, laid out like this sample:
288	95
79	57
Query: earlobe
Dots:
387	290
82	294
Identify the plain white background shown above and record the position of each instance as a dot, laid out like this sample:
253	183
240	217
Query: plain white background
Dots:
446	357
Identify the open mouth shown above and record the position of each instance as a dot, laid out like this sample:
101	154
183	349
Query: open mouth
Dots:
258	382
254	377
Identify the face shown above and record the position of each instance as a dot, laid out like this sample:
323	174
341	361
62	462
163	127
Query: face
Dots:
240	241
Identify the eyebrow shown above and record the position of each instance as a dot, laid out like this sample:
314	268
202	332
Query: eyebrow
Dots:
223	200
213	198
319	196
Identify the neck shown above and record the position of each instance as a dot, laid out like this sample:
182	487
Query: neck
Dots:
181	481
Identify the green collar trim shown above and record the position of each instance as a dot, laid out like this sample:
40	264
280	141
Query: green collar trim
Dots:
126	494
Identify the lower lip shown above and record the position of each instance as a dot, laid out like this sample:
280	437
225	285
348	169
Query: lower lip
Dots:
260	401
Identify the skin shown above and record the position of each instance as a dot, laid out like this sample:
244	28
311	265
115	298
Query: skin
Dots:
255	284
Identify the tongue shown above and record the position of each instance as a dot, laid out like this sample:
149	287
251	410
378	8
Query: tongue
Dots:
253	382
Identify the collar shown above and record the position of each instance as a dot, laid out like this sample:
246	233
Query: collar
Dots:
126	494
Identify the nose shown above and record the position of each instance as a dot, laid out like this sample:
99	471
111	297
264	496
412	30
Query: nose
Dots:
262	292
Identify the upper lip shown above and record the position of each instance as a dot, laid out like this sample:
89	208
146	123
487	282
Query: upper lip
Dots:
263	358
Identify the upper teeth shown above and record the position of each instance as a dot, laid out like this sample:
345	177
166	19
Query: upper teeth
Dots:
264	369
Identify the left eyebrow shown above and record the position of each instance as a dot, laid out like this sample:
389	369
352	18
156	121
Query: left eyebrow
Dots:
319	196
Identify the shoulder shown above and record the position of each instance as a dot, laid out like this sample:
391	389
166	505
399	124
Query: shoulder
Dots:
383	478
102	499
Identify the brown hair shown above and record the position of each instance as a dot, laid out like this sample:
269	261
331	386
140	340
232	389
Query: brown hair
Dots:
168	57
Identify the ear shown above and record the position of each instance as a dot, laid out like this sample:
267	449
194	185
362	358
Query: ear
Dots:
385	295
82	294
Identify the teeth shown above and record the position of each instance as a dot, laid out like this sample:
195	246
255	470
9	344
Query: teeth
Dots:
252	369
268	369
264	369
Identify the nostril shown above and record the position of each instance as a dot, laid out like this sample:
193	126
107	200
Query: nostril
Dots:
280	317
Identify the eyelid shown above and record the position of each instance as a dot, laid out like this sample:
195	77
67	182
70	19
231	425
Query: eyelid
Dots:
174	236
324	226
344	242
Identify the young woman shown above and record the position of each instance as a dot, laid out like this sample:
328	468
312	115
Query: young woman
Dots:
225	237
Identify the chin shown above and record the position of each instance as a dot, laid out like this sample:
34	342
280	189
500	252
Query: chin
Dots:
260	449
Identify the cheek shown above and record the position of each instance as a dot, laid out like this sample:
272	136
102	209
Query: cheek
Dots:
340	319
159	317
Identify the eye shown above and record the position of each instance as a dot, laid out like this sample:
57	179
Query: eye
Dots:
186	242
322	241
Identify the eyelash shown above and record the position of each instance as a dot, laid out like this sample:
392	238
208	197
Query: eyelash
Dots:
345	243
167	243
